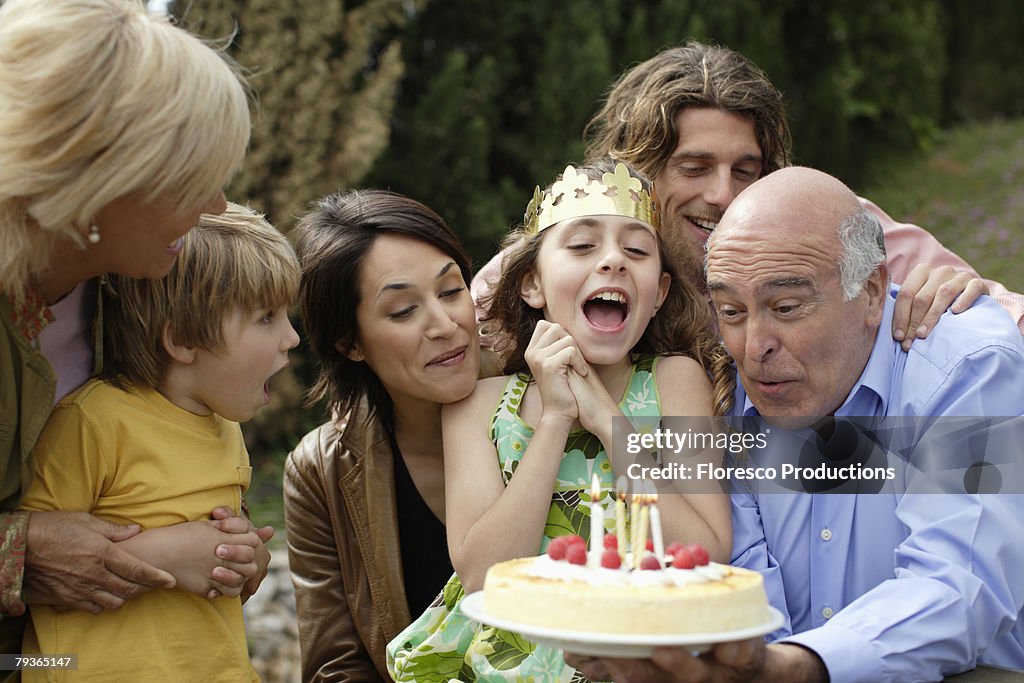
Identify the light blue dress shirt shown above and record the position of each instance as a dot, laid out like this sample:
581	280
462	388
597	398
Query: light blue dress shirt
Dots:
897	586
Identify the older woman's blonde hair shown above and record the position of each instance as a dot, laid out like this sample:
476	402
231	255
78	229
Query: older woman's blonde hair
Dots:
101	99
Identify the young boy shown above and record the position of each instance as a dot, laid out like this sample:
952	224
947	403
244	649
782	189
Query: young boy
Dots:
156	442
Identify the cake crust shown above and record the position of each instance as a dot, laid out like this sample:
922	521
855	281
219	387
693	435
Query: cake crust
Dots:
719	598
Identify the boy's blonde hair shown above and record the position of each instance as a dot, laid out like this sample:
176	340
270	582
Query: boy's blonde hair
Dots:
102	99
232	261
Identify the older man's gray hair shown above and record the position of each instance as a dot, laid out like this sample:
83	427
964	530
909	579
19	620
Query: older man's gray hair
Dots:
863	246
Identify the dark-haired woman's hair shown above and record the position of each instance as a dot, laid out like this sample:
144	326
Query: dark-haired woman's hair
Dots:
332	241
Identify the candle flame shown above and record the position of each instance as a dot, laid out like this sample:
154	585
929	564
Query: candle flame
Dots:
595	487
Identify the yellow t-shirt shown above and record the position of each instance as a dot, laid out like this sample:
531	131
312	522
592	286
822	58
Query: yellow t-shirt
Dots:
132	456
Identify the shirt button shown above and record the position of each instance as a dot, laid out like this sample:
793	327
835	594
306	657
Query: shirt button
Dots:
826	534
827	612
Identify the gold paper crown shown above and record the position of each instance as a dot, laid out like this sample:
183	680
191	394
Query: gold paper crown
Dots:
576	195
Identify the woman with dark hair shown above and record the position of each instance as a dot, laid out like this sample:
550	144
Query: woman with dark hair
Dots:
387	310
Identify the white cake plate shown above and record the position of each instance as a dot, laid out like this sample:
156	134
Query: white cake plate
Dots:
627	645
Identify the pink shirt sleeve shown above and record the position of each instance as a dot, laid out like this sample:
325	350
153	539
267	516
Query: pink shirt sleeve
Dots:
907	245
481	289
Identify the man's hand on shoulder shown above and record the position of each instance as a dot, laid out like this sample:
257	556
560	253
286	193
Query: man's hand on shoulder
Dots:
926	294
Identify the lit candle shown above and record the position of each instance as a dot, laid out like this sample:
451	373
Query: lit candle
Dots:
659	540
596	522
620	517
634	528
645	511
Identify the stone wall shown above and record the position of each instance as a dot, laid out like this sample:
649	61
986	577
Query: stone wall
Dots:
270	624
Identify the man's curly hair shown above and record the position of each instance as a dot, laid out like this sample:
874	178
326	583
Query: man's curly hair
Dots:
637	123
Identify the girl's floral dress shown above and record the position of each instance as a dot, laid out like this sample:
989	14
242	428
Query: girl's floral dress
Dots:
443	644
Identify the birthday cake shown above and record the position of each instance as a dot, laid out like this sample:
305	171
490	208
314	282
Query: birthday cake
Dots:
569	588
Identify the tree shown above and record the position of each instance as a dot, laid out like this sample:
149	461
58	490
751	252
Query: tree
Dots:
325	75
986	73
493	102
497	94
862	80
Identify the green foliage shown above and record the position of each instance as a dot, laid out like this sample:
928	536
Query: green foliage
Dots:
968	193
326	84
986	73
862	78
492	105
467	105
494	101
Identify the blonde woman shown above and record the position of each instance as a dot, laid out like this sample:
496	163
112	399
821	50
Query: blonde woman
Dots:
156	441
117	130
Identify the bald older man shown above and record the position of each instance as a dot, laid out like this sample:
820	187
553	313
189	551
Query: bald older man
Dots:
889	586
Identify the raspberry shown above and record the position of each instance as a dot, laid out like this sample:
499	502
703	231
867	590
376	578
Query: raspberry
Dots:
650	562
610	559
576	540
673	548
683	559
700	556
576	554
650	545
557	548
611	542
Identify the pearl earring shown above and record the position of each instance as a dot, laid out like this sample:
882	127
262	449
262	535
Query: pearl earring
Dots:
94	234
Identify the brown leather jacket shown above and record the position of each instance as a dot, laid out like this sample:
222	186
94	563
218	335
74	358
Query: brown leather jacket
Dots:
342	524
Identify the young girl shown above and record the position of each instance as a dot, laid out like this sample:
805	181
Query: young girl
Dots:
596	323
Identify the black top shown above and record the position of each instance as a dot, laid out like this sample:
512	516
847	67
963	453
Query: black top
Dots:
426	565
